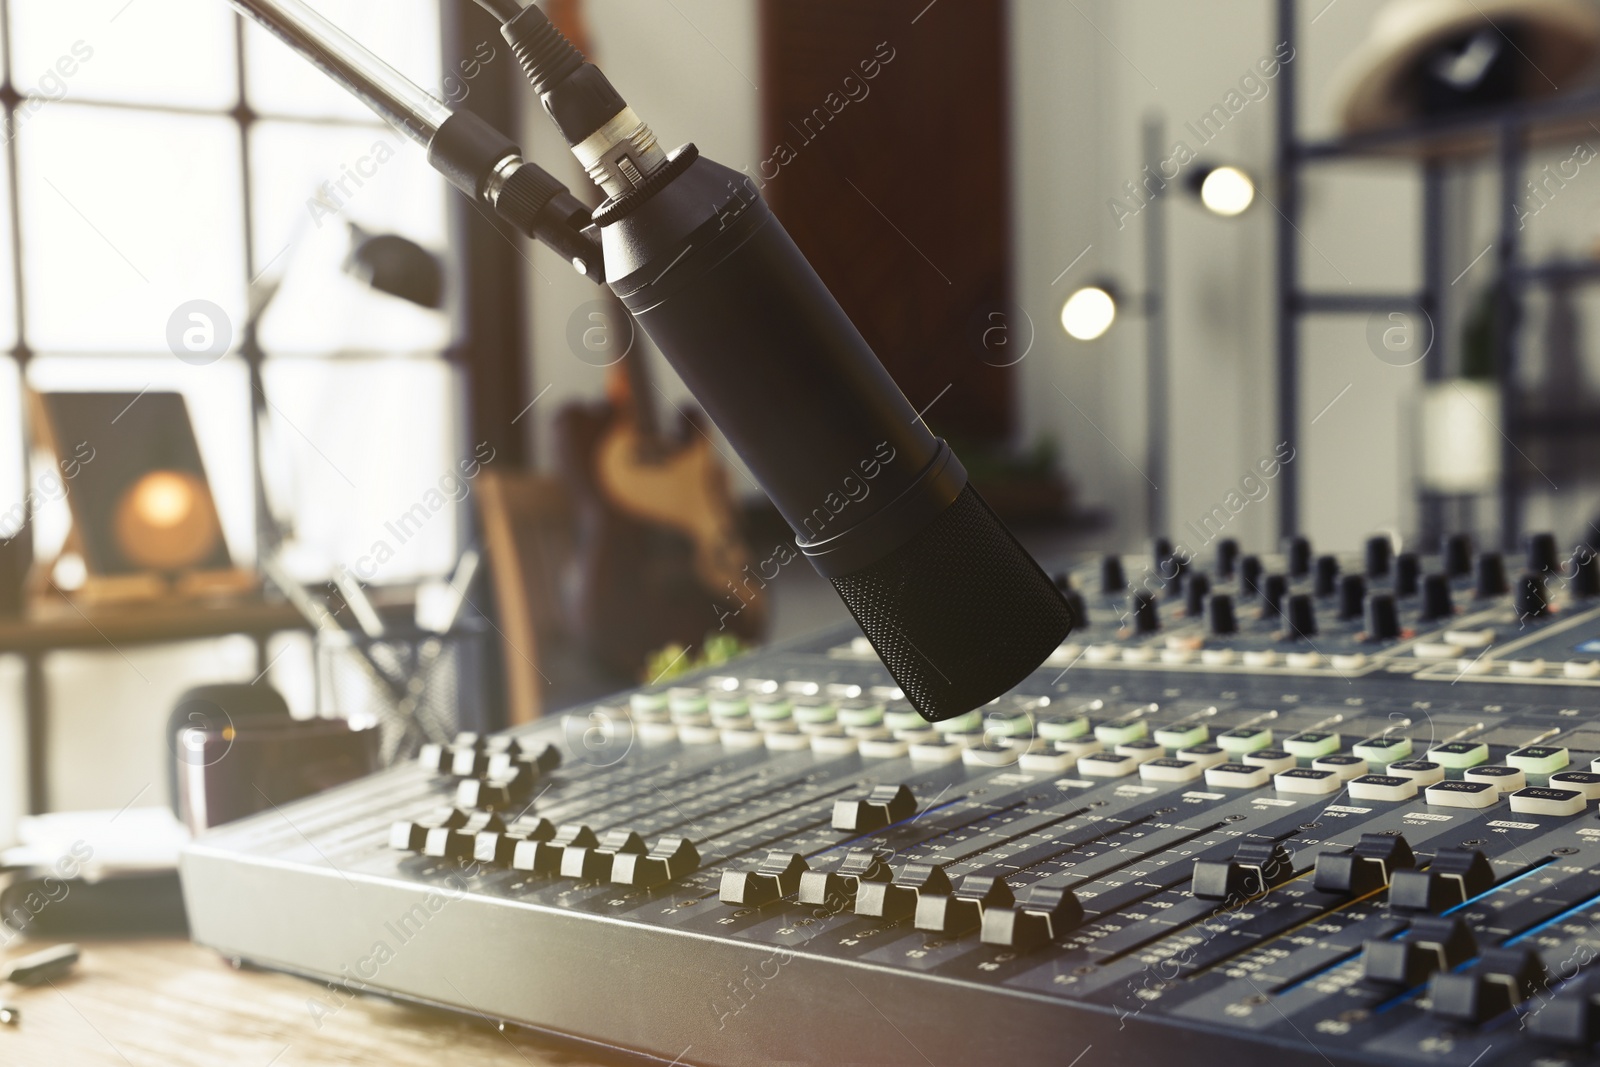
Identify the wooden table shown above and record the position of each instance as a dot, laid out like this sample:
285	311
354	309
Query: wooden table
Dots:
169	1003
59	625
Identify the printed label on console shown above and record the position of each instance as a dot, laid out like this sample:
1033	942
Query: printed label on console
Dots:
1503	824
1205	796
1427	816
1346	810
1274	802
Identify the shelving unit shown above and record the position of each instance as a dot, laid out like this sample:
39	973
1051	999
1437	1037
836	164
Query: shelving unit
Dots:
1504	135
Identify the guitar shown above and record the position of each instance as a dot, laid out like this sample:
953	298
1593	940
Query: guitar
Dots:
661	558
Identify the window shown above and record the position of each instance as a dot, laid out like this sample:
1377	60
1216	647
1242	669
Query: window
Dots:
164	151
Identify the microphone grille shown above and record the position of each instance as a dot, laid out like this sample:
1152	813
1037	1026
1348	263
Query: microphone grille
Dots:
960	613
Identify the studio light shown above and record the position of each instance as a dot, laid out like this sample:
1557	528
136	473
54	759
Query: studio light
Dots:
1089	312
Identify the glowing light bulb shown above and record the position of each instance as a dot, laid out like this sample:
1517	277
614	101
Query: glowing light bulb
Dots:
1088	313
1227	191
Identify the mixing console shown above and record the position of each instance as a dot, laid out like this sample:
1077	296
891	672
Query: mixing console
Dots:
1336	808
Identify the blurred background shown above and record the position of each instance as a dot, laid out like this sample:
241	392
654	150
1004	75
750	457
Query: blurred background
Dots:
280	411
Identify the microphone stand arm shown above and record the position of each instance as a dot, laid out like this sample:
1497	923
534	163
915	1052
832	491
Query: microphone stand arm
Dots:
475	157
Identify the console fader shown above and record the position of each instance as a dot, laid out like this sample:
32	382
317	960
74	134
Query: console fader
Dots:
1332	807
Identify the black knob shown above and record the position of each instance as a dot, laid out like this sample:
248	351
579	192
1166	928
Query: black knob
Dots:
1273	590
1302	616
1112	579
1327	578
1436	603
1542	555
1220	612
1458	555
1249	577
1531	600
1383	618
1194	601
1407	572
1227	556
1491	575
1585	572
1160	548
1079	609
1299	553
1379	552
1146	615
1352	596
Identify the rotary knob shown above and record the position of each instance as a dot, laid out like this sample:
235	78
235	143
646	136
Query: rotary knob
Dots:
1491	574
1378	554
1436	602
1352	596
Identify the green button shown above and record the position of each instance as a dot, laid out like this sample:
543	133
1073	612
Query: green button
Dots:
686	701
1063	727
1121	731
1182	736
1312	743
971	722
861	713
903	719
1538	759
815	713
1008	723
1245	738
1459	755
1383	749
771	710
650	707
726	707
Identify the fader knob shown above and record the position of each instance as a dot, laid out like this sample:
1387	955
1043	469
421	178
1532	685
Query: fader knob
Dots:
1378	553
1531	599
1327	579
1458	555
1543	557
1383	618
1194	596
1220	615
1274	589
1407	573
1112	578
1585	573
1249	576
1352	596
1227	557
1161	549
1077	608
1436	603
1491	574
1146	613
1302	616
1298	551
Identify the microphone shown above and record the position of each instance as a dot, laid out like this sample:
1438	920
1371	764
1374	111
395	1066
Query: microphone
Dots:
952	603
955	607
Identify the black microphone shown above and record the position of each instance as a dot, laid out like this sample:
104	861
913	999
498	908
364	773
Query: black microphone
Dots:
956	608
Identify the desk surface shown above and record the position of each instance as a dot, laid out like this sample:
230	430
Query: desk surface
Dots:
170	1003
55	624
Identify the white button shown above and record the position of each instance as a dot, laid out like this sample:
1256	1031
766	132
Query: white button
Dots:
1205	755
1505	779
1170	770
1585	782
937	752
1237	776
1350	662
990	756
1476	665
1176	656
1273	759
1080	747
1102	653
860	646
1143	751
1548	802
1436	650
1423	772
742	739
919	736
882	749
833	744
1064	655
1346	767
1138	654
656	733
1307	780
1526	668
1381	787
784	741
1046	762
1260	658
1107	765
1581	668
1217	657
1303	660
1462	795
1470	638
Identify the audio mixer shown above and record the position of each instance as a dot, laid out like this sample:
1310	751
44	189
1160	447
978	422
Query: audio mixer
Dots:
1332	807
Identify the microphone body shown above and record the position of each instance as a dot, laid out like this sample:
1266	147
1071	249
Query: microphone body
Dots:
956	608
